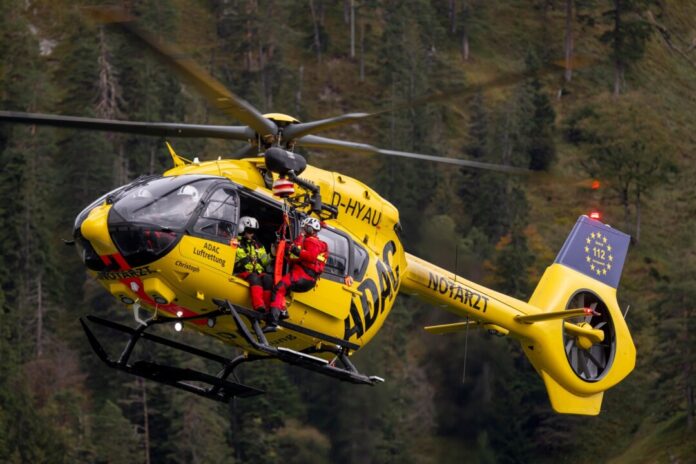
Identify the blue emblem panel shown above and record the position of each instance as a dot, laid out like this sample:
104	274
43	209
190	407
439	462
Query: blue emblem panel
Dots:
596	250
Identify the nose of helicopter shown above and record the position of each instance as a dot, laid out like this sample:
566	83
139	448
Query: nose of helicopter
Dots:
95	229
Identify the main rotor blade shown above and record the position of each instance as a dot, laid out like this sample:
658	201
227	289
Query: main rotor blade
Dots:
505	80
298	130
245	152
216	93
314	141
161	129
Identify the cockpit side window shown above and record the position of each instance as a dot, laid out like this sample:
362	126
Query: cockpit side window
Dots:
339	253
150	217
219	217
359	263
112	197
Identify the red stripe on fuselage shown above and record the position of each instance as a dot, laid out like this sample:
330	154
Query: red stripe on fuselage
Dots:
121	262
171	308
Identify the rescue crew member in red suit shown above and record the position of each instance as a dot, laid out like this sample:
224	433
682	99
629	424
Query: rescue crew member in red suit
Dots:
308	255
251	261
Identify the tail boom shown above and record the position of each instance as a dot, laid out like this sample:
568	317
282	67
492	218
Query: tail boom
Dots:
578	356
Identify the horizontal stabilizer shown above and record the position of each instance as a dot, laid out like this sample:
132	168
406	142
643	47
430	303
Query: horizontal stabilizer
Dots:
532	318
449	328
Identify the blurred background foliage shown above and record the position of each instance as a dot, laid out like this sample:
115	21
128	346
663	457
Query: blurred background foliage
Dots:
622	114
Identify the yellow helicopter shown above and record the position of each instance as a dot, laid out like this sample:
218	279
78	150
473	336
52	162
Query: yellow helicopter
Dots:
165	247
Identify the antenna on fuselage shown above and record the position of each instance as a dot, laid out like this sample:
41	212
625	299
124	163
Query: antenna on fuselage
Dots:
178	160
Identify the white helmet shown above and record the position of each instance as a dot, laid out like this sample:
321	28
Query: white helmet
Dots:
247	222
312	223
189	191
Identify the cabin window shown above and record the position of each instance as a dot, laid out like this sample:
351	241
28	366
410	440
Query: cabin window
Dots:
270	217
339	251
359	263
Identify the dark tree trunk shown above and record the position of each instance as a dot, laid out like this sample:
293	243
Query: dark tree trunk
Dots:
466	12
618	39
688	368
39	316
315	22
352	28
625	203
362	52
146	422
153	152
637	215
298	94
569	41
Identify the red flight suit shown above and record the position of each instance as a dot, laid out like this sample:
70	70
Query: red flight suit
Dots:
305	268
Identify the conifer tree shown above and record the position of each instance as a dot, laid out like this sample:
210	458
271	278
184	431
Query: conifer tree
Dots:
627	36
26	247
114	436
542	150
148	90
409	58
473	184
254	38
254	424
506	142
630	148
512	262
675	352
199	429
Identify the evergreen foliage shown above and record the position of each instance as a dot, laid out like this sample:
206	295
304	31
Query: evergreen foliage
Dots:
59	404
114	435
634	154
627	36
409	59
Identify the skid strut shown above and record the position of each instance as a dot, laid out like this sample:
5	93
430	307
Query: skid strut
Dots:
220	387
347	372
215	387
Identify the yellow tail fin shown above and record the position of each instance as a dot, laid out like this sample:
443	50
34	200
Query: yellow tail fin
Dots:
582	356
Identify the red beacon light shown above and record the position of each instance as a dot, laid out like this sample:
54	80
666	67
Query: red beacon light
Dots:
283	187
595	215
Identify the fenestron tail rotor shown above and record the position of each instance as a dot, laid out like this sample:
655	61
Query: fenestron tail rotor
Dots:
589	358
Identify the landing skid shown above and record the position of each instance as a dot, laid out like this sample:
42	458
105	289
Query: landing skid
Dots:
219	387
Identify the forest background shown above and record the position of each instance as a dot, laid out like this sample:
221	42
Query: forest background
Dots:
624	115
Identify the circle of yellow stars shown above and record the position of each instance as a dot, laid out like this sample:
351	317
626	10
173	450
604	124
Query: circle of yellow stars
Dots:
599	256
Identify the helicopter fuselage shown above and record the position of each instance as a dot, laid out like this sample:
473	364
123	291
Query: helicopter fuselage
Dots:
167	244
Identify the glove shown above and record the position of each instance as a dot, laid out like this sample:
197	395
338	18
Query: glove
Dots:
295	250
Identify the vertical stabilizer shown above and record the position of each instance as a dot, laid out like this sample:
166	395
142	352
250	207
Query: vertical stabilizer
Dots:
581	357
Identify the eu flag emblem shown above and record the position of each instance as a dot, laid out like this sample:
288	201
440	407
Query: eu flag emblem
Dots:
596	250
